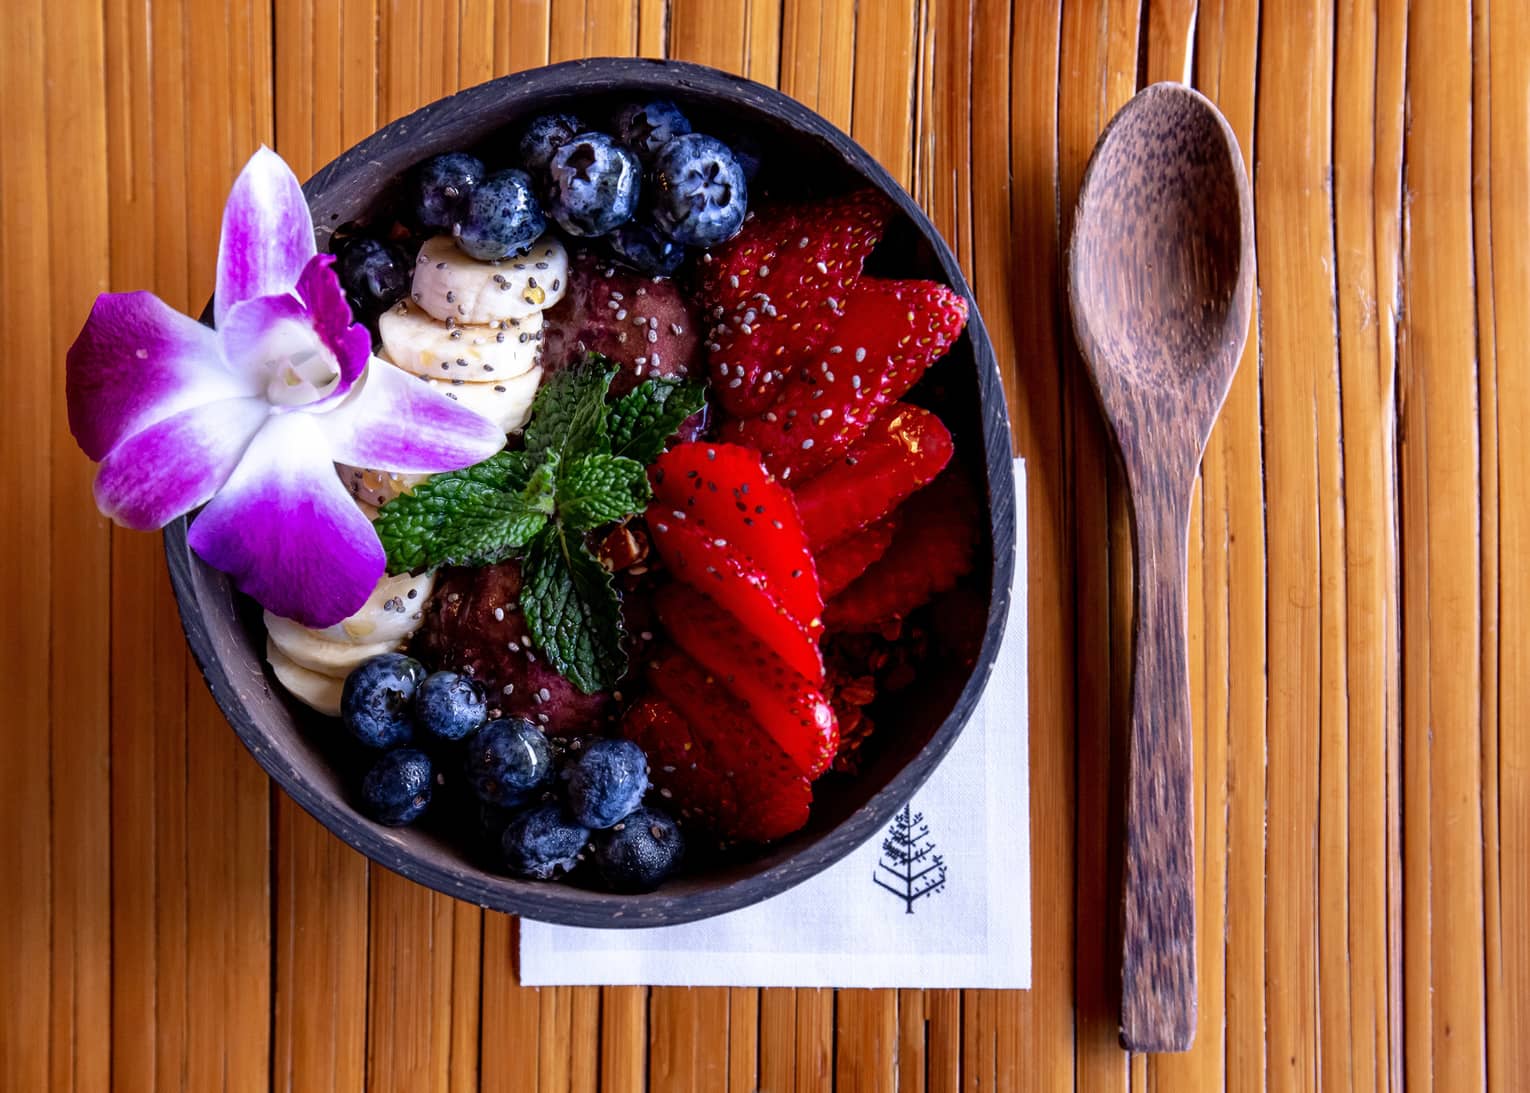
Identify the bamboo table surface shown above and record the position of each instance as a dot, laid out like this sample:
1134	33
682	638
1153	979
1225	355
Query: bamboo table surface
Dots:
1360	606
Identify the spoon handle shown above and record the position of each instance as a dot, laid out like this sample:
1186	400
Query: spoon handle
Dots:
1158	999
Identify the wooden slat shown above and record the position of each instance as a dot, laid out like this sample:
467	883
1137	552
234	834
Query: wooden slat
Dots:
865	1040
25	299
422	1017
79	631
778	1040
325	90
1442	663
1296	260
818	55
1227	46
1044	1019
226	814
1357	1035
140	605
1500	116
689	1037
814	1039
321	958
508	1045
1098	75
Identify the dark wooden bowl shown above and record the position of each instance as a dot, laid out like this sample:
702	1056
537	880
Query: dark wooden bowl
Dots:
296	747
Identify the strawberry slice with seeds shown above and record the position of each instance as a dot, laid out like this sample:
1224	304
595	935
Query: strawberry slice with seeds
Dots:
891	332
680	766
771	797
719	571
934	546
842	563
778	287
785	704
727	490
899	454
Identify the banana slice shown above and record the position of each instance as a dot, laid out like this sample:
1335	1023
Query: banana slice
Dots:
322	693
450	285
422	345
392	612
376	488
507	403
323	655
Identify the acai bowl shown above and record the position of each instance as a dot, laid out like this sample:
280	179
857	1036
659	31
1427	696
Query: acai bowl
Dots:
918	573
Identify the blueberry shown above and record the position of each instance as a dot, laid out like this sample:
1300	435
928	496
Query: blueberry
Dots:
541	842
378	698
699	193
638	853
397	788
375	275
443	187
645	250
607	782
594	185
507	760
503	217
544	136
645	127
449	706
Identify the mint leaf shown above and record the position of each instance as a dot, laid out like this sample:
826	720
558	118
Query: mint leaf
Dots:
641	421
572	610
476	516
597	489
569	414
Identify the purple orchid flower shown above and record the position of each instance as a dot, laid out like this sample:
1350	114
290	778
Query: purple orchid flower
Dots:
249	419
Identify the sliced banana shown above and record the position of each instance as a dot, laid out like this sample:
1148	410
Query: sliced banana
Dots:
310	688
507	404
450	285
374	489
420	344
320	654
392	612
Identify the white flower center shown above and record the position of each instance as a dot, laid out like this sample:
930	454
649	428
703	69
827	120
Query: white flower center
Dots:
298	367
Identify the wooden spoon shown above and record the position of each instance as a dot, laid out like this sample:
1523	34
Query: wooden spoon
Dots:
1161	279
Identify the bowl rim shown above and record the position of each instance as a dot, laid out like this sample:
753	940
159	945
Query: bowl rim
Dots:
553	903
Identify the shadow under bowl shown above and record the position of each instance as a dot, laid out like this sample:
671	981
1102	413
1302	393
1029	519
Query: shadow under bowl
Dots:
802	153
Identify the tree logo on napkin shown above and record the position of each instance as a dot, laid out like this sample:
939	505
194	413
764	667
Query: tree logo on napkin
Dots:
910	869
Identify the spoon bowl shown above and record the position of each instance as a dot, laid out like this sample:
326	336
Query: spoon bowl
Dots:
1160	281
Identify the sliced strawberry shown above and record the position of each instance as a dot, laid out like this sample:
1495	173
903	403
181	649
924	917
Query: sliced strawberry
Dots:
771	796
680	766
720	571
793	711
726	488
847	559
898	454
891	332
937	536
777	288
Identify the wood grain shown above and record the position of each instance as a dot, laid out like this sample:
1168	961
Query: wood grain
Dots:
1358	639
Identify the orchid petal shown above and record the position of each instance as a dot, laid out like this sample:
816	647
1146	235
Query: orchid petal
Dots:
284	527
176	464
330	313
136	362
396	422
267	234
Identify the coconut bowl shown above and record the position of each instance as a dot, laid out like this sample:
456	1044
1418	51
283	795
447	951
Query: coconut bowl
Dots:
802	154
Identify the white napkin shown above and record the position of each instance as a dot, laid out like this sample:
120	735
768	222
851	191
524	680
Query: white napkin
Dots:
942	898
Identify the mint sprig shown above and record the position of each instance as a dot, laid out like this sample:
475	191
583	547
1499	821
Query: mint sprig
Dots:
583	466
572	611
475	516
